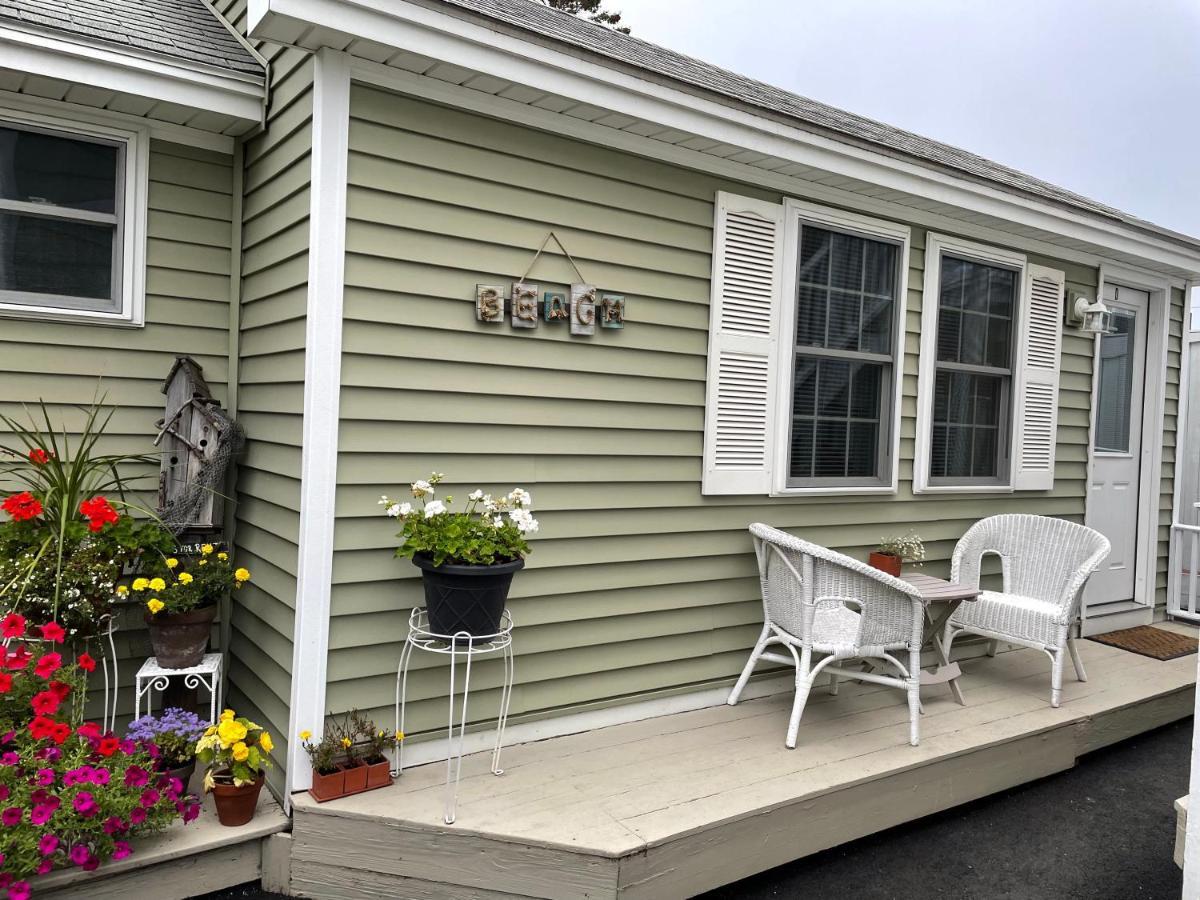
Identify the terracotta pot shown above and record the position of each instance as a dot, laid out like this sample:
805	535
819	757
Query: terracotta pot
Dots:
328	786
466	598
180	639
379	774
885	562
356	778
236	805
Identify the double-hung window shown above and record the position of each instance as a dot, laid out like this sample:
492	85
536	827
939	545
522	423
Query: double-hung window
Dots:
69	220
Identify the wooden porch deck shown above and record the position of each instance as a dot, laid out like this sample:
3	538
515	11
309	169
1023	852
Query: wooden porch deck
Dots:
673	806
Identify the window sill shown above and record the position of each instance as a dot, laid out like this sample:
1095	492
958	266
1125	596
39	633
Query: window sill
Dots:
856	491
72	317
964	489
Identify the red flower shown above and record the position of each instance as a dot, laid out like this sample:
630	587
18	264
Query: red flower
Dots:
59	689
99	513
60	731
41	727
48	665
22	506
108	746
13	625
45	703
89	730
18	659
38	456
52	631
86	662
5	682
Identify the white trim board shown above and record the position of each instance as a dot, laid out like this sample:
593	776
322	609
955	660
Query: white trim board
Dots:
322	387
474	47
90	63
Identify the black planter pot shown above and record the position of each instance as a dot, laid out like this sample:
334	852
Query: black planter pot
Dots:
466	598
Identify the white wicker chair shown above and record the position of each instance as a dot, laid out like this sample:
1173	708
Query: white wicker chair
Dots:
818	601
1044	564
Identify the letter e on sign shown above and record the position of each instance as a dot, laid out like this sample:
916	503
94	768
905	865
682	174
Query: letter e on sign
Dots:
524	305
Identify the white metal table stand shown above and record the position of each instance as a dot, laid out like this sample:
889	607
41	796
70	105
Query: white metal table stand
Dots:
153	677
461	644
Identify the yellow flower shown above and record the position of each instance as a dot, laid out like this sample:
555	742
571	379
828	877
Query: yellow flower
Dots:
264	741
346	743
154	604
140	584
227	714
399	735
207	549
157	584
203	562
210	730
240	751
122	590
241	575
230	732
172	563
305	734
209	781
222	556
185	578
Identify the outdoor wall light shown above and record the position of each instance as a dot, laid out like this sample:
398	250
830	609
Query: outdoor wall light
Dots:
1090	316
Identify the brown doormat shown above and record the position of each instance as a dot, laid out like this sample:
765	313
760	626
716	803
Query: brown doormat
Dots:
1149	641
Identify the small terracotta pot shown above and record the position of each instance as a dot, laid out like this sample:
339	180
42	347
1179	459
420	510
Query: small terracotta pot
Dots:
180	639
328	786
885	562
236	805
379	774
356	778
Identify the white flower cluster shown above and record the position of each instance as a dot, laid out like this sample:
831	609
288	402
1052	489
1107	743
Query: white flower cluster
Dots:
515	505
393	509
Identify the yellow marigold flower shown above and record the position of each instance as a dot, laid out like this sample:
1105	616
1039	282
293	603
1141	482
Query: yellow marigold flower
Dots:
305	734
154	605
230	731
157	584
227	714
241	575
172	563
185	578
203	562
264	741
346	743
222	556
240	751
207	549
122	590
140	584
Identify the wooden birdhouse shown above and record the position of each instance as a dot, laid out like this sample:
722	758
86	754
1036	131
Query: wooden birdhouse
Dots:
198	441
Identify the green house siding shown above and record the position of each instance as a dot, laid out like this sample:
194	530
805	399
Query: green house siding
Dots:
187	311
638	585
271	389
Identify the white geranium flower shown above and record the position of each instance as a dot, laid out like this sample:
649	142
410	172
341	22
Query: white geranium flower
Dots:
475	495
434	508
384	501
520	497
405	509
422	488
394	510
498	521
488	503
524	520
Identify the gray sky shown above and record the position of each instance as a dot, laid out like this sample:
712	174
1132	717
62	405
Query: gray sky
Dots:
1098	96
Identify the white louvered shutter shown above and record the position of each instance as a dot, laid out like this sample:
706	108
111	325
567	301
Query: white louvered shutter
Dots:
743	325
1038	364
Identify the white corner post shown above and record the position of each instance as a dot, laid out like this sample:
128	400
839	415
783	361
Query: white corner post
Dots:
322	386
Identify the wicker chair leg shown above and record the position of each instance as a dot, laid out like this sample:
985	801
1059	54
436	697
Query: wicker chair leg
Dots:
1056	676
992	647
914	697
833	684
803	686
736	693
1073	647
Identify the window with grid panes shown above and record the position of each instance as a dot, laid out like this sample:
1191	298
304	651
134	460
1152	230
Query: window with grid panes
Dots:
844	359
973	386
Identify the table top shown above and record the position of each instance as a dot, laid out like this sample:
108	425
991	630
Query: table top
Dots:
939	590
210	664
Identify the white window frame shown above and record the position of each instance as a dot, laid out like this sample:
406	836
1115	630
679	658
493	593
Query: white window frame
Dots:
937	245
129	271
796	214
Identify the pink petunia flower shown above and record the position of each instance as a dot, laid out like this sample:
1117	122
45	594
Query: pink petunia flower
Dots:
48	844
85	804
149	797
191	812
10	758
137	815
19	890
79	854
136	776
115	825
121	850
45	866
11	816
41	813
44	777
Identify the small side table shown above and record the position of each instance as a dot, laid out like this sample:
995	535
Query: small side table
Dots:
153	677
941	598
461	644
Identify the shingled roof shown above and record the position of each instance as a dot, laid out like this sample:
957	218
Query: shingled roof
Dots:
185	31
625	51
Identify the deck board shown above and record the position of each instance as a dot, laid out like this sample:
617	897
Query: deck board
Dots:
678	804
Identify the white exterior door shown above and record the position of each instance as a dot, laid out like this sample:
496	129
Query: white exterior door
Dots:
1117	443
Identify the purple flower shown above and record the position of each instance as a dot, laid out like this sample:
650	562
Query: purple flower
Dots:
10	758
127	746
45	777
79	854
121	850
11	816
85	804
48	844
136	776
53	754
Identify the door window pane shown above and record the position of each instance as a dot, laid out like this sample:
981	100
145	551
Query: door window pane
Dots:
1116	384
56	256
36	167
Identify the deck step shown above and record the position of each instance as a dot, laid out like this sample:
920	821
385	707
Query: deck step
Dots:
1107	617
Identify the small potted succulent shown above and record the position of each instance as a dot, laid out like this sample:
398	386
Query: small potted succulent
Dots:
467	559
175	734
351	757
181	599
894	551
236	753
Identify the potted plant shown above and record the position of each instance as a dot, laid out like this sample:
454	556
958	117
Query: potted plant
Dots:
174	734
328	777
894	551
236	754
467	559
376	743
351	757
181	599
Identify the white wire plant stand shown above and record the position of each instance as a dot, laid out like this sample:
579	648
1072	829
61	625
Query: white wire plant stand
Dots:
461	644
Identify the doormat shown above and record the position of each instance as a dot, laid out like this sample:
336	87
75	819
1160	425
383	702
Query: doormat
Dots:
1149	641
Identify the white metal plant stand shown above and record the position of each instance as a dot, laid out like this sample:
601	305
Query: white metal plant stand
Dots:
153	677
461	644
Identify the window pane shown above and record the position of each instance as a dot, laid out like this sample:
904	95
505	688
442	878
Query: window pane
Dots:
952	283
975	287
1001	288
846	262
59	171
863	451
845	295
843	320
966	425
998	344
949	326
877	325
864	391
879	275
814	256
801	450
53	256
810	316
829	450
833	388
839	436
981	334
1116	385
974	339
804	393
